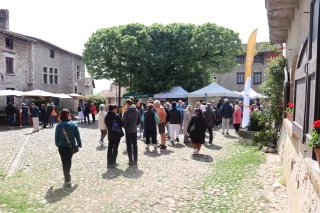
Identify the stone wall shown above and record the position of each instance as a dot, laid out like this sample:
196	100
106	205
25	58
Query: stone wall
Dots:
229	80
301	172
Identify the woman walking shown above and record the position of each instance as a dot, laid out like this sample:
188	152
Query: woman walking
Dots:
43	115
102	125
80	113
187	115
150	119
67	133
197	129
237	118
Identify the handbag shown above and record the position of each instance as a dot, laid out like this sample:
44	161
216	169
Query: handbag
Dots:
193	127
74	149
54	113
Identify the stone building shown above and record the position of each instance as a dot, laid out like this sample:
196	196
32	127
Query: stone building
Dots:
112	94
90	86
297	24
235	80
28	63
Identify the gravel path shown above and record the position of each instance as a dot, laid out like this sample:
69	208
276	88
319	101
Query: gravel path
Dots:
165	181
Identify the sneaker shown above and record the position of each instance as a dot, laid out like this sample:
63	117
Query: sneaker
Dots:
227	133
131	163
101	142
155	149
223	133
147	149
67	185
177	139
195	152
163	147
172	142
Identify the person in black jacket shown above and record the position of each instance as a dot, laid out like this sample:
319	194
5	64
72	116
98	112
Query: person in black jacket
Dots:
25	115
150	120
49	111
86	112
226	113
167	108
10	110
43	115
113	136
197	136
209	117
175	121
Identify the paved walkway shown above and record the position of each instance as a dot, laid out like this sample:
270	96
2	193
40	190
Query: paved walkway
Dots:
165	181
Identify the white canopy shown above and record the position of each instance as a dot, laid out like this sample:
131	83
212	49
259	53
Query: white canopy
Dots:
252	94
61	95
213	90
77	96
37	93
175	92
10	92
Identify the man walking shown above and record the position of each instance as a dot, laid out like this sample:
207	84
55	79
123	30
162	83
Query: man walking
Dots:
168	119
10	111
175	122
162	123
131	119
35	117
25	115
226	114
86	112
209	118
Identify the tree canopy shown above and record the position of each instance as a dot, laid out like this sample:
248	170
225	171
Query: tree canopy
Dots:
155	58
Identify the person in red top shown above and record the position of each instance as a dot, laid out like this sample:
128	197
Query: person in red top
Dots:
237	117
93	110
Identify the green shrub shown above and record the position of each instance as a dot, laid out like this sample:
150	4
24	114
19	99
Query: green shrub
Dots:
255	123
97	99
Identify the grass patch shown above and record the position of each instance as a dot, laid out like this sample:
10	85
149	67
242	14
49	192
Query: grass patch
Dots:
14	196
227	180
282	180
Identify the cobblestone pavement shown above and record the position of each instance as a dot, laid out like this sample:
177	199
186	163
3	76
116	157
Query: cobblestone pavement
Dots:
164	181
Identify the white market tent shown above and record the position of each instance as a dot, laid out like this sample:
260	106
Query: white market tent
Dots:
213	90
253	94
175	92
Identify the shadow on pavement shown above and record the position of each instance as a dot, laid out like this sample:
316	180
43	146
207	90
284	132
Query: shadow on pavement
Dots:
202	158
152	154
112	173
56	195
101	148
166	152
178	145
132	173
212	146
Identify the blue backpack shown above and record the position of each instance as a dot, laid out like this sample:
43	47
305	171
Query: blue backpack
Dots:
116	127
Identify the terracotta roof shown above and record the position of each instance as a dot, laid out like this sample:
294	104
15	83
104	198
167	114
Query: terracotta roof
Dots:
110	93
33	39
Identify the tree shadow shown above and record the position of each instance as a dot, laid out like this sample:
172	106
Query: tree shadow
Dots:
212	146
56	195
101	148
202	158
166	152
112	173
132	172
152	154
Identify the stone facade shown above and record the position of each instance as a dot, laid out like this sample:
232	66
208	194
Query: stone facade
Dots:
89	86
35	60
301	172
229	80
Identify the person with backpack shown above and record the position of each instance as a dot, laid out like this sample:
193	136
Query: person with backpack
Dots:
175	122
150	119
131	120
113	121
209	117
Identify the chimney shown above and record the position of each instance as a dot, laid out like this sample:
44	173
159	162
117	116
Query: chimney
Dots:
4	19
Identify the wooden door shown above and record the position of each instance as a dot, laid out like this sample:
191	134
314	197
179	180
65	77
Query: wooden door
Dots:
306	79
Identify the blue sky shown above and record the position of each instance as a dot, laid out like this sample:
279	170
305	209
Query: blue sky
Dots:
69	23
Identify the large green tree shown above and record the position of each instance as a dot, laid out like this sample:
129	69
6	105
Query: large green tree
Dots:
155	58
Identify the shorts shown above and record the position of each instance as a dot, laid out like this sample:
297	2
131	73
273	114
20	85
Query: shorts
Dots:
162	128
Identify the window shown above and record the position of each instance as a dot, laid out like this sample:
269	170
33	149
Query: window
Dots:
11	97
257	59
51	53
240	78
75	89
50	75
9	43
257	77
240	59
78	73
45	75
9	65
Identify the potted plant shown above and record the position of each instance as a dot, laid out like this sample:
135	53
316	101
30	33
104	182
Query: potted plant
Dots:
289	111
315	140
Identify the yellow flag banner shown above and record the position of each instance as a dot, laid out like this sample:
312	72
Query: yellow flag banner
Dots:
251	49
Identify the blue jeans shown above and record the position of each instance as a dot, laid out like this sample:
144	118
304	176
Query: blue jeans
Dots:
132	147
51	120
11	119
25	120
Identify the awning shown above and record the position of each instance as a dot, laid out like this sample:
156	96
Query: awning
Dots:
136	95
